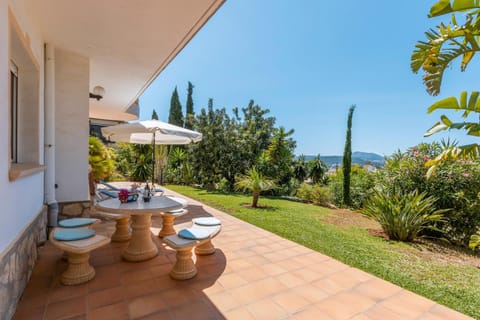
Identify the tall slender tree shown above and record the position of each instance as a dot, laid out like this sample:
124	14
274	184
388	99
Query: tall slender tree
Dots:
189	116
347	159
175	115
154	115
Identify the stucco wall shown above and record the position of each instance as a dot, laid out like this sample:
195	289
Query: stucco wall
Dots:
71	126
21	200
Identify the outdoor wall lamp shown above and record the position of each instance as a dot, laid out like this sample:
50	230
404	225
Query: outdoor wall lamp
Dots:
98	93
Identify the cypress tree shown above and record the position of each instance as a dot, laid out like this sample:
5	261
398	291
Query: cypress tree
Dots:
189	107
154	115
176	115
347	159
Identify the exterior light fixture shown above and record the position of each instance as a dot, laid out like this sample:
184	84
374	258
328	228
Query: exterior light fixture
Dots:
98	93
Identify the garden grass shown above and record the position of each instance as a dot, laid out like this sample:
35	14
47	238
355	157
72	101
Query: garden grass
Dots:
451	284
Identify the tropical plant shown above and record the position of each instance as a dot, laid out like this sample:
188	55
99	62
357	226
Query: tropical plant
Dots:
317	170
455	184
347	160
444	44
300	170
403	216
256	183
100	158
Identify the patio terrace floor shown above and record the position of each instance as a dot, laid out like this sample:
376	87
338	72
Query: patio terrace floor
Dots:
254	274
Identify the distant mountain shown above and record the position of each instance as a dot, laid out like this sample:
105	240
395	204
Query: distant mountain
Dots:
360	158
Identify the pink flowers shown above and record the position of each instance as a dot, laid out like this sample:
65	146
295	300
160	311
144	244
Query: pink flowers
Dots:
123	195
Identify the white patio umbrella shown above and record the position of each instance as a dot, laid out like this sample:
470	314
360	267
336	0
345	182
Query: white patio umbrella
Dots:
150	132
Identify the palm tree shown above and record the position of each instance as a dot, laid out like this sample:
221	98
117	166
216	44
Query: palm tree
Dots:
300	170
445	44
317	171
255	182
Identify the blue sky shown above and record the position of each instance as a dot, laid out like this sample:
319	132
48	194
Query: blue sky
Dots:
308	61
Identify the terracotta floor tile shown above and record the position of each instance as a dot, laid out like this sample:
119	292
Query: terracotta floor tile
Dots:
239	314
117	311
134	276
61	292
290	280
266	309
161	315
258	290
416	305
175	297
66	308
105	297
253	274
145	305
273	269
377	289
231	281
311	293
290	301
345	305
197	309
140	288
379	312
311	313
445	313
223	301
29	313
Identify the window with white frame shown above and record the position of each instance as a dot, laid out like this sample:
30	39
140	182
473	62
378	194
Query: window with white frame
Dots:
13	111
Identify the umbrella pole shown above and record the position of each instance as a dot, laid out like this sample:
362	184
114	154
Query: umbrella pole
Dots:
153	159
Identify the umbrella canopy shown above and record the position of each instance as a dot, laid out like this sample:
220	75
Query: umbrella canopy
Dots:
150	131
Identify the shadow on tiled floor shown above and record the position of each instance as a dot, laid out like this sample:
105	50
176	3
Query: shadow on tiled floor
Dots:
254	274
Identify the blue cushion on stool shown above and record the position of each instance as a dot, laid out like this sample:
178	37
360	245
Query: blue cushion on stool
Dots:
207	221
194	234
73	234
76	222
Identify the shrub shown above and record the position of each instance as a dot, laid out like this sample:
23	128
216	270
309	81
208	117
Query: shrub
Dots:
320	195
304	192
100	158
402	216
316	193
361	184
455	184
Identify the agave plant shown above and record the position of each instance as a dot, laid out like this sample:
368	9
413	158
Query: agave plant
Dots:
255	182
403	216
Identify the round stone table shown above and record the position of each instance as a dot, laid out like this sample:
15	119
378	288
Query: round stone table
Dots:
141	246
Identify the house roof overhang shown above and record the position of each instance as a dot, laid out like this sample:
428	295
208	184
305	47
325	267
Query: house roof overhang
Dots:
128	43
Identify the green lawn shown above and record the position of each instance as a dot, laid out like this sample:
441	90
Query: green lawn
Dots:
454	285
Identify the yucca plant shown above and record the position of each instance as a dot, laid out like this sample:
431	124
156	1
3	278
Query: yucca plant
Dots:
403	216
255	182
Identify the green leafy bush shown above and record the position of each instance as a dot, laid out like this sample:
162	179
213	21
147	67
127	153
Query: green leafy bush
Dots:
101	159
455	184
304	192
317	194
402	216
361	185
320	195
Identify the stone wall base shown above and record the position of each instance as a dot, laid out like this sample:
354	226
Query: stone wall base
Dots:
17	264
73	209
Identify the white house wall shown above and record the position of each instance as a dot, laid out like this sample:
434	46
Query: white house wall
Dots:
22	199
71	126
